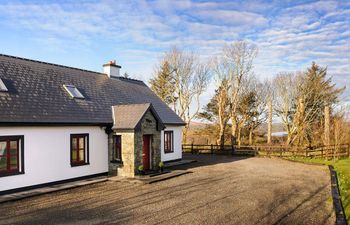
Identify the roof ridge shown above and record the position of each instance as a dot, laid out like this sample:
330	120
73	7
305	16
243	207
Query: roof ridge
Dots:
69	67
52	64
130	104
129	79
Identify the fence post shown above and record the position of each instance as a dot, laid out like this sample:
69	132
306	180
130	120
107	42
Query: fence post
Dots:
192	151
281	152
233	149
211	149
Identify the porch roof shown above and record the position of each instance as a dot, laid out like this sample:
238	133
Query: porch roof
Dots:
128	117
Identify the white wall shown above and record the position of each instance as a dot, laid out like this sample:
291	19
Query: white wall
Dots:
47	155
177	154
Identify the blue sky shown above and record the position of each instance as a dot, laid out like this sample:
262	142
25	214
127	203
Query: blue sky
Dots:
85	34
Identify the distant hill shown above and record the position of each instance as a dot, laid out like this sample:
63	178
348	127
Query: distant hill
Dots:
194	125
276	127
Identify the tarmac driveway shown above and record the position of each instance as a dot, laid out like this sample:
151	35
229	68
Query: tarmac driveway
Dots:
221	190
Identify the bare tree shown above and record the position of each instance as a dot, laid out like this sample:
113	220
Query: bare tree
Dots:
222	98
238	59
269	96
341	128
247	99
285	87
258	113
191	78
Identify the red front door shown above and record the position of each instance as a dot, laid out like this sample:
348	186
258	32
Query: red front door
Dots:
146	151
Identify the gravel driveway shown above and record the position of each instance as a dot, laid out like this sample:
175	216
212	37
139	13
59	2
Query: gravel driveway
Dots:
221	190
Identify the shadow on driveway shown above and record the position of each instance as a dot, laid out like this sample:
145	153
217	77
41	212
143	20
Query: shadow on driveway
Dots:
207	160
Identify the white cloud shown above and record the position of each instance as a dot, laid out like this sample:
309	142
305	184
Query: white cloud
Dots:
288	37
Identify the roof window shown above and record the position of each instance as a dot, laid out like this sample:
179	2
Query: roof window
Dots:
73	91
3	86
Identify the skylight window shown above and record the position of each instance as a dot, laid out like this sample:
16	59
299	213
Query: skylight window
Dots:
3	86
73	91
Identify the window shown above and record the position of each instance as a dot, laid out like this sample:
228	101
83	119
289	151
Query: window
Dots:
79	149
168	141
11	155
117	148
73	91
3	86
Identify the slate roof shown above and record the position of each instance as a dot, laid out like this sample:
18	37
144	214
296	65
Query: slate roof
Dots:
36	94
129	116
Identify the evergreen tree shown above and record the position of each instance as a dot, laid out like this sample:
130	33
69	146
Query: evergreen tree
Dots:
316	92
163	84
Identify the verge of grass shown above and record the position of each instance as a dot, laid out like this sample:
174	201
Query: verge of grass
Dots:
342	167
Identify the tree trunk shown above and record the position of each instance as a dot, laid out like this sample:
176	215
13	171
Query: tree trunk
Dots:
269	122
221	114
250	136
221	139
239	137
184	135
233	130
289	139
327	125
300	122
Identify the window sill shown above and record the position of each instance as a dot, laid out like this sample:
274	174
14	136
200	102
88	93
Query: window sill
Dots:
168	152
79	164
7	174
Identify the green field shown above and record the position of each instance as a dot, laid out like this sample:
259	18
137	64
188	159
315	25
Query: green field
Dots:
342	167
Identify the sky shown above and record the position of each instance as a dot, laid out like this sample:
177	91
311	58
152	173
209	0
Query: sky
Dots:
290	34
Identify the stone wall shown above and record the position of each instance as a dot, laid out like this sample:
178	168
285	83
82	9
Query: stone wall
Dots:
132	147
148	127
125	169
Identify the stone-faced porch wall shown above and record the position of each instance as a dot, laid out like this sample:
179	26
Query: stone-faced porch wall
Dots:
148	127
132	142
126	168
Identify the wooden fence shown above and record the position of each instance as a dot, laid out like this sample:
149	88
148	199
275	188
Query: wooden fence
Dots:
327	152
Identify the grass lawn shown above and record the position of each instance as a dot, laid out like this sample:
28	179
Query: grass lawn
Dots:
342	167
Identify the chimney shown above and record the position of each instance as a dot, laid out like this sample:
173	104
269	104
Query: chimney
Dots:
111	69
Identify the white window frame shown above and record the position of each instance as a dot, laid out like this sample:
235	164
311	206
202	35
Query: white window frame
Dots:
78	95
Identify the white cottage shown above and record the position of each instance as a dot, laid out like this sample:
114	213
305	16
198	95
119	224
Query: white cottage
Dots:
59	124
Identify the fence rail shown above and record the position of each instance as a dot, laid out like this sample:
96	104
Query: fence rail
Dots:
328	152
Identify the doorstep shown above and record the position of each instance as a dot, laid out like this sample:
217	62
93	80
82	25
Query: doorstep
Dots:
49	189
152	178
161	177
178	163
